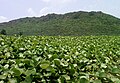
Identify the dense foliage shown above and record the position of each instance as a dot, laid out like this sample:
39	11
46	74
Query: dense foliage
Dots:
70	24
39	59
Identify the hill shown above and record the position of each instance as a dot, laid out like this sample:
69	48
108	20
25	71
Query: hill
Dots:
69	24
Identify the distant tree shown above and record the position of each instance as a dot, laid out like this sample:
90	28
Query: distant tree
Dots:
91	13
3	32
100	12
20	33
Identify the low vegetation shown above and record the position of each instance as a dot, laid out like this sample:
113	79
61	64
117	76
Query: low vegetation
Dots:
48	59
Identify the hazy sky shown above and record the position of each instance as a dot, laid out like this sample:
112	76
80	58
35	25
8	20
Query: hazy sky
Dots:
13	9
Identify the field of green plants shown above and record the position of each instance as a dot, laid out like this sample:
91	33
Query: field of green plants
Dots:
48	59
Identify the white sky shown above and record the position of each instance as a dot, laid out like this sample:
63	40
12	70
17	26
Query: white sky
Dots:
14	9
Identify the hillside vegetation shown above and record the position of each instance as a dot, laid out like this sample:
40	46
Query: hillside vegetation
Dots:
69	24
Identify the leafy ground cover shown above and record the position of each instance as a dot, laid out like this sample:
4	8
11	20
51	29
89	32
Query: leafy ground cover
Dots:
48	59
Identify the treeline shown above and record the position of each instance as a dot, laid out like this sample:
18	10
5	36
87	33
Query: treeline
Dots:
3	32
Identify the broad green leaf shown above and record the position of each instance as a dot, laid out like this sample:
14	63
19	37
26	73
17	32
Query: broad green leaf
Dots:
21	49
3	77
16	71
7	54
12	80
51	69
72	71
2	82
45	64
6	66
65	64
28	79
66	77
75	65
47	74
57	62
54	56
83	80
103	65
26	61
29	72
21	55
115	70
49	55
97	81
102	74
61	79
115	80
67	57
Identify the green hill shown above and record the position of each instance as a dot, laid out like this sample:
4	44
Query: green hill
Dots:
69	24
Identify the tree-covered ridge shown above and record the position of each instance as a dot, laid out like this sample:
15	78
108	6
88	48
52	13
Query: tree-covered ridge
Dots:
70	24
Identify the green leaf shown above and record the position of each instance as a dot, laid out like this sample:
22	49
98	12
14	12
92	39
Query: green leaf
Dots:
49	55
29	72
26	61
103	65
115	80
13	81
72	71
102	74
21	55
47	74
6	66
57	62
66	77
2	77
45	64
7	54
115	70
16	71
97	81
18	61
83	80
21	49
67	57
2	81
61	79
51	69
28	79
54	56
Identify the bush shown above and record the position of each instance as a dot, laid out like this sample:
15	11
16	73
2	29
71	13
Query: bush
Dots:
3	32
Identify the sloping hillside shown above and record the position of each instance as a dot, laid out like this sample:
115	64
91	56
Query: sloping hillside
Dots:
69	24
